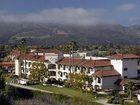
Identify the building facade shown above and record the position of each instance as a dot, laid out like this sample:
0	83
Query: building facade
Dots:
104	71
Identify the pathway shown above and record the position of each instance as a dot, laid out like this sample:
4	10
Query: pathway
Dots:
104	102
29	88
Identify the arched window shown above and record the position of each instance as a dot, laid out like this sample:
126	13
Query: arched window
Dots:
88	70
64	67
60	73
99	80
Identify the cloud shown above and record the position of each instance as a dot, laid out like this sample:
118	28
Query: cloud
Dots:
134	20
76	16
127	7
3	12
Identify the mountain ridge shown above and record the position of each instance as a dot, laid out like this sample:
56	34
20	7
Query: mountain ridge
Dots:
54	34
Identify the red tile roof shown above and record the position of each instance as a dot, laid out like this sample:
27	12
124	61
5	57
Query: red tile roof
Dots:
124	56
68	61
126	80
53	51
84	62
8	64
32	57
107	73
97	63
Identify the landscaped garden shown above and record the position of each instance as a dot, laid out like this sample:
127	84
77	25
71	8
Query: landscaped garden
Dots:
68	92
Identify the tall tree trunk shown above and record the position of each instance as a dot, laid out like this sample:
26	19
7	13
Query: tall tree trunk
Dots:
131	94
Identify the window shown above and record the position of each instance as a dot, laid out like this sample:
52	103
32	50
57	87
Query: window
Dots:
59	66
65	73
21	63
69	67
29	64
61	74
75	70
88	71
51	66
83	69
99	80
67	76
125	76
125	69
52	73
25	63
64	67
78	68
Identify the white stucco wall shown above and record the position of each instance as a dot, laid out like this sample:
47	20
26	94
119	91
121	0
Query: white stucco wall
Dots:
17	67
130	64
118	65
52	57
63	72
95	83
108	82
132	68
138	97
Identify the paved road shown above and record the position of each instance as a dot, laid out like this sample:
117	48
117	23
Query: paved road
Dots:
29	88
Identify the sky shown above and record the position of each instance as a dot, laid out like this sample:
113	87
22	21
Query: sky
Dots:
78	12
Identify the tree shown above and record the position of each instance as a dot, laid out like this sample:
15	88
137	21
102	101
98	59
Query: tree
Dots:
2	81
130	88
23	49
80	81
37	71
72	45
4	98
22	45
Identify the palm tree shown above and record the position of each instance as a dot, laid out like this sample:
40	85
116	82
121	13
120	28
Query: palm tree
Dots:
130	88
23	49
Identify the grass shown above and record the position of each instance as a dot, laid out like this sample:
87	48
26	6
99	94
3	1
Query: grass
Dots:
52	99
8	79
68	92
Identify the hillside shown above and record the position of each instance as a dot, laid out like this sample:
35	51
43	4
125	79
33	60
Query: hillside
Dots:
53	34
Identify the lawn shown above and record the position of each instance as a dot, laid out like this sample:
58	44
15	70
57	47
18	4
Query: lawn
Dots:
8	79
68	92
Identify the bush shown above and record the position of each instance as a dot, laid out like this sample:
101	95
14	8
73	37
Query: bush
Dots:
123	95
121	101
52	81
135	100
13	76
67	84
52	99
4	99
61	83
110	99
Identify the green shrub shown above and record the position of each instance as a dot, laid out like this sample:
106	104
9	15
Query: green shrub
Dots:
110	99
135	100
121	101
